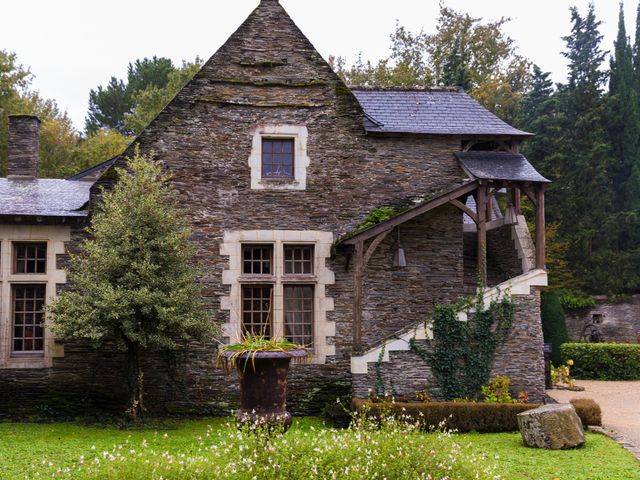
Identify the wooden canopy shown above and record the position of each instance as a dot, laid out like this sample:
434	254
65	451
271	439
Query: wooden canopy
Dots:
364	243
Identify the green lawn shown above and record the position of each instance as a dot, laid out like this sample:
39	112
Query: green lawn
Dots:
194	449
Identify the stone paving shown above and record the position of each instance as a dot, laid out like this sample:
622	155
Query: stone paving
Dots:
620	404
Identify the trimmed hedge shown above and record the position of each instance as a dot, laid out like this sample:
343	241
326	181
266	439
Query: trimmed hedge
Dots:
468	416
588	411
603	361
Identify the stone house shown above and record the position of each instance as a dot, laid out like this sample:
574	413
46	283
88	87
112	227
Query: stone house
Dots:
278	163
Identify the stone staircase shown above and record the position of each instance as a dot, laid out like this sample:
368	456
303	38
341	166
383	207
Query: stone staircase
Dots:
398	342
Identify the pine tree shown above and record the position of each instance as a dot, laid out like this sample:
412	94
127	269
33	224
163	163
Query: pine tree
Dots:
585	160
623	116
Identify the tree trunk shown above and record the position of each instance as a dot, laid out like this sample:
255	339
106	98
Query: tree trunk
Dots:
135	383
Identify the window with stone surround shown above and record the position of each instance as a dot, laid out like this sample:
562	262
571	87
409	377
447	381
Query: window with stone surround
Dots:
30	257
276	266
28	319
278	282
29	278
279	158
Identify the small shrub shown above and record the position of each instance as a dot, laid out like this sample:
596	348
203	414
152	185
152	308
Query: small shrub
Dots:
423	396
588	411
498	390
603	361
562	375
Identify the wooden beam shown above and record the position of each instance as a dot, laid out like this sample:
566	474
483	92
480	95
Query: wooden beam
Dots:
465	209
540	228
481	200
411	213
516	200
372	248
530	196
358	280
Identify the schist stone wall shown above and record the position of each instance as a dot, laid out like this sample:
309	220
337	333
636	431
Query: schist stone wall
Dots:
618	322
520	357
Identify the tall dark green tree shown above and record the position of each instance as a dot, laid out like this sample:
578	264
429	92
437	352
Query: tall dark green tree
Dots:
585	161
109	105
455	70
623	116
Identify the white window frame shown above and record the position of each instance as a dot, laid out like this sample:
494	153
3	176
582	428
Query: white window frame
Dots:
323	329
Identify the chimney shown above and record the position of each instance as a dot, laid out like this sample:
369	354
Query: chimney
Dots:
24	141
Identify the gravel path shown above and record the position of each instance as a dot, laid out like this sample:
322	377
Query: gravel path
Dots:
619	401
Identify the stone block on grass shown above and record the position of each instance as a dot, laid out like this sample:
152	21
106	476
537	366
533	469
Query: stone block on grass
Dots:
554	427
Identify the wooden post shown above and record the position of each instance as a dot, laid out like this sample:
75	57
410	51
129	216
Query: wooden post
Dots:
481	201
540	228
515	192
358	279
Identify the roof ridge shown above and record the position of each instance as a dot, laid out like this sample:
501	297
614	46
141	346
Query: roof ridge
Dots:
416	88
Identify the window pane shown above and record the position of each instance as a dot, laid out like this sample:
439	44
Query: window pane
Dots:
298	259
298	314
256	259
257	318
277	158
30	257
28	317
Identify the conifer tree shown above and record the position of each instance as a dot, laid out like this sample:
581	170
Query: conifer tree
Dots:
584	162
623	116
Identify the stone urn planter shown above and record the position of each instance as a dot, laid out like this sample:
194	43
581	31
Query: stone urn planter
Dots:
263	386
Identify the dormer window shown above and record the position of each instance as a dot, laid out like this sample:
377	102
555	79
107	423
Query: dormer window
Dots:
277	158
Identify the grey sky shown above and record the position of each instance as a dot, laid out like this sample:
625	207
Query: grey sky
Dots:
74	45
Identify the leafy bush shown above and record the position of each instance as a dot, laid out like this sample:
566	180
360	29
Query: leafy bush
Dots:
498	390
575	300
588	411
376	216
554	327
603	361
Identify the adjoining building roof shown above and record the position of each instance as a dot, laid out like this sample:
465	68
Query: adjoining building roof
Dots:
93	173
429	111
484	165
44	197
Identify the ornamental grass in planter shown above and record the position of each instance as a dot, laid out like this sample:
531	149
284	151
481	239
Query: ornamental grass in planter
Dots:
262	365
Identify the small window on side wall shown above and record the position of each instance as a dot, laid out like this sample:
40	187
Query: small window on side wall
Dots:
277	158
30	257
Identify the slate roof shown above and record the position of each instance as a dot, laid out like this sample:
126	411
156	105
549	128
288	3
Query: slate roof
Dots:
93	173
499	166
44	197
444	111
